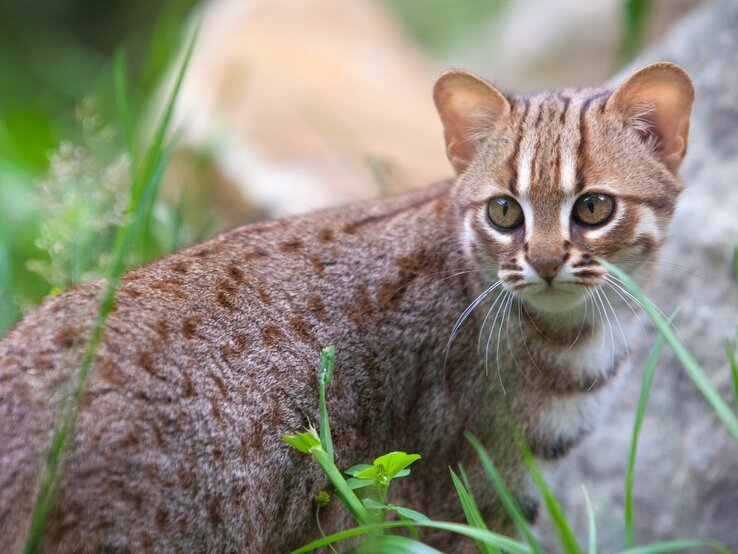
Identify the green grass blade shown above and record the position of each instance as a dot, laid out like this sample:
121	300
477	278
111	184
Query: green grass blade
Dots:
733	369
676	546
327	363
592	524
344	492
123	105
471	511
143	191
640	413
488	537
506	497
561	524
695	372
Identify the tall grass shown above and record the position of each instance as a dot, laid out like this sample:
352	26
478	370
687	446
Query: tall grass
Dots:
143	191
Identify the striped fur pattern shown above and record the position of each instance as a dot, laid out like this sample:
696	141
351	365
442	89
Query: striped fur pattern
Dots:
443	324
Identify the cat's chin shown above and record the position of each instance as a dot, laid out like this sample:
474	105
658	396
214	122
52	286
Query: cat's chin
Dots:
555	300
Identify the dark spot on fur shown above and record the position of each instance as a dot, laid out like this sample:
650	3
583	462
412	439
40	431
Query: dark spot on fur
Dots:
170	286
162	519
161	329
146	540
243	449
254	253
214	514
224	296
132	293
292	245
215	410
186	478
317	264
300	328
131	440
146	361
179	267
66	337
220	384
236	273
263	294
202	253
189	327
276	411
257	435
217	454
188	387
316	306
110	372
270	334
241	341
364	307
423	261
326	235
43	361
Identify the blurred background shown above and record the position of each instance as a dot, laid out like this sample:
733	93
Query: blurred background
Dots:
293	105
287	105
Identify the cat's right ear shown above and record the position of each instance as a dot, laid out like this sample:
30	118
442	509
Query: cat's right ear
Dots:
470	109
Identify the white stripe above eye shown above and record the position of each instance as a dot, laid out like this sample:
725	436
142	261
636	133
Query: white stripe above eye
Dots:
568	175
565	216
524	169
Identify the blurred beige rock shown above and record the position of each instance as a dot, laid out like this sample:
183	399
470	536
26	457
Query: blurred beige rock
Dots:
311	103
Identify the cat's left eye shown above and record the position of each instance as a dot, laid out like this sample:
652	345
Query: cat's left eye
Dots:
505	213
593	209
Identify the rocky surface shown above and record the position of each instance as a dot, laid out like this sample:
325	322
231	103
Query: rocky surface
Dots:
686	482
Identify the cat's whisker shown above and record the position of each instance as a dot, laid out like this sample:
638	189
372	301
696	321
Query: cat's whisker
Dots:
486	350
507	340
522	334
484	323
626	302
499	337
581	327
465	314
617	320
612	334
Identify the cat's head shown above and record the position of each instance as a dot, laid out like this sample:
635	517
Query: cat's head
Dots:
550	181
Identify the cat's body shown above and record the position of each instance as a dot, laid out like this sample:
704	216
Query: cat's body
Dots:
211	354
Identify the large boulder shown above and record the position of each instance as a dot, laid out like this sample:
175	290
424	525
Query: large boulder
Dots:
686	480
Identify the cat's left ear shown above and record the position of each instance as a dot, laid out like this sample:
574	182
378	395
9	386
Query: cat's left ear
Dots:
470	109
657	101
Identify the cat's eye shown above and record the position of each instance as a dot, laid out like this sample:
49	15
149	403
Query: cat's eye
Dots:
593	209
505	213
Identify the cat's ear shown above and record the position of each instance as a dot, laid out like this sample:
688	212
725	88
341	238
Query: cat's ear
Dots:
657	101
470	109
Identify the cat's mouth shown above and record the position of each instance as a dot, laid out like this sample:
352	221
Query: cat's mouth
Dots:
559	296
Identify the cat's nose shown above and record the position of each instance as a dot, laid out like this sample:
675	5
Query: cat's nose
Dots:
547	268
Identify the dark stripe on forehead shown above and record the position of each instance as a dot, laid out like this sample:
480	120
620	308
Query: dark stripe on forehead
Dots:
512	161
583	140
567	101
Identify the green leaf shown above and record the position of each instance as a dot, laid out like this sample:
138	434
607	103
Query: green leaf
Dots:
359	483
373	504
676	546
640	413
327	362
487	537
733	369
394	462
303	441
592	544
471	511
506	497
410	514
695	372
353	470
371	473
561	525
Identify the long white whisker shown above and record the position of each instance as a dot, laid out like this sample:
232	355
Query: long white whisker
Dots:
484	323
626	301
584	318
617	320
486	350
522	334
465	314
612	335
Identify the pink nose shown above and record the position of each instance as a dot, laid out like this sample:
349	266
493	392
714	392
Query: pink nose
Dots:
547	268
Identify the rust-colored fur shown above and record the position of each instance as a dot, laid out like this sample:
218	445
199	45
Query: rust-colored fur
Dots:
211	354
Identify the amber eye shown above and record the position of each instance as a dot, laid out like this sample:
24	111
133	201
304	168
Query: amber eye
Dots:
593	209
505	213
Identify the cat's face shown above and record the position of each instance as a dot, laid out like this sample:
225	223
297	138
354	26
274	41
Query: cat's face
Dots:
549	182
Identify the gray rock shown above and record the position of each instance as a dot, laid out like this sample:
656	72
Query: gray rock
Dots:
686	481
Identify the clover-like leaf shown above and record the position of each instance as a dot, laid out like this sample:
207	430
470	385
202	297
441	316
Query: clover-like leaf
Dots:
355	483
303	441
394	463
353	470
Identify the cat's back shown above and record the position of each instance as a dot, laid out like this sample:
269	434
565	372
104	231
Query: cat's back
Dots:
202	367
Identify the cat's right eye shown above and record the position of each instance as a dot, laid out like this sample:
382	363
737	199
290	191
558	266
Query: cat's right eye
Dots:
505	213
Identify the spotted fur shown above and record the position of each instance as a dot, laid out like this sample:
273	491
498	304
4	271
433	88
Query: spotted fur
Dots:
211	354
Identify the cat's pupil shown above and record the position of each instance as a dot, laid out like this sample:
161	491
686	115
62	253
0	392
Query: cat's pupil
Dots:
590	204
505	205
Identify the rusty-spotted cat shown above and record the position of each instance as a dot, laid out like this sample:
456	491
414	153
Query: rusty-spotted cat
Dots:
471	305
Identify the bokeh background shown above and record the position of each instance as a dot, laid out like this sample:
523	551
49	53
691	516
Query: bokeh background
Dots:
293	105
287	106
